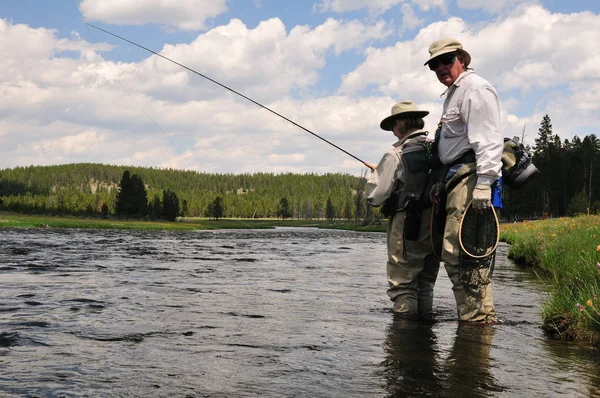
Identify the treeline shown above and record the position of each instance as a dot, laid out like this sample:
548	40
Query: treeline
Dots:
568	184
90	189
569	180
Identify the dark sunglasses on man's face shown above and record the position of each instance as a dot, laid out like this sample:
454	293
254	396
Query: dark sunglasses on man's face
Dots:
444	59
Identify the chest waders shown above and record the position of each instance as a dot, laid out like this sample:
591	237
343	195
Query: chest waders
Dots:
478	234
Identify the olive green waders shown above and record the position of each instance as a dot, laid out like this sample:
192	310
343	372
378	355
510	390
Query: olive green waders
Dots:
472	304
411	268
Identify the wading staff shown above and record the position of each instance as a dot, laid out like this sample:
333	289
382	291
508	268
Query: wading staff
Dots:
235	92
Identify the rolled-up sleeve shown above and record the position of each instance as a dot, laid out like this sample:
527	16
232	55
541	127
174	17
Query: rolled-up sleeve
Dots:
485	132
381	182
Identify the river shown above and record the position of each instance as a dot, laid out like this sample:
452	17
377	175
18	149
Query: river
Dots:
288	312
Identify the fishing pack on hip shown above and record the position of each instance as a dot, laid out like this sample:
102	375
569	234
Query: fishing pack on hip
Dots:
517	166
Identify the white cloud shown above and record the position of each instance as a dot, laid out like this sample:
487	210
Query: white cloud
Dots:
78	143
376	7
524	51
409	20
493	6
398	70
264	62
553	48
60	142
179	162
373	6
56	108
532	36
427	5
529	74
576	112
182	14
284	160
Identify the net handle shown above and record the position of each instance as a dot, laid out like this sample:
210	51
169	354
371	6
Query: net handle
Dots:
433	246
497	233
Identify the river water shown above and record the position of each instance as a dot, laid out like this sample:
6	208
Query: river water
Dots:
287	312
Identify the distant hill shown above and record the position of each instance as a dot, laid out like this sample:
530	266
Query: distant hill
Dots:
83	188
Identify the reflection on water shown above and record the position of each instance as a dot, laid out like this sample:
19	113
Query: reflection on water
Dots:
412	365
468	367
282	313
416	365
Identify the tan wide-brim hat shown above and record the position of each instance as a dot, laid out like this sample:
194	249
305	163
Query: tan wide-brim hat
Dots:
444	46
402	110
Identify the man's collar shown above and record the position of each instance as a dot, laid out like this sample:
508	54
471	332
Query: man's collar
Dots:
457	81
462	76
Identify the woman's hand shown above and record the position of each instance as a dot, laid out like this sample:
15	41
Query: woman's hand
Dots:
371	166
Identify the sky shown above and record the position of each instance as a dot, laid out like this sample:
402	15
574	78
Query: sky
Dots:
70	93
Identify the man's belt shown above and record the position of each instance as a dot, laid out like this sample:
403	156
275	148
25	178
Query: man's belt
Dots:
467	157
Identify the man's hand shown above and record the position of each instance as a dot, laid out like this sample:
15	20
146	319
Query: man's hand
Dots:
482	198
436	192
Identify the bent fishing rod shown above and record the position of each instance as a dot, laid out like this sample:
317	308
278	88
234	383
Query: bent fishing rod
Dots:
233	91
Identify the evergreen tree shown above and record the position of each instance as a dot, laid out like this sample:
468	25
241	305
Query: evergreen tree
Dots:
184	208
542	158
329	209
284	209
170	205
132	198
157	210
348	209
545	137
579	204
591	152
140	196
215	209
123	204
360	204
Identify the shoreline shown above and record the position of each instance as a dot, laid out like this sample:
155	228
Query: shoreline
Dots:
16	220
565	252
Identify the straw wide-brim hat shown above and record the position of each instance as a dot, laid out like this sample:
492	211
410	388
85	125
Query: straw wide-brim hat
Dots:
402	110
445	46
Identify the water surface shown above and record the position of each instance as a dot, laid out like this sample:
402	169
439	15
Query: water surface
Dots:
289	312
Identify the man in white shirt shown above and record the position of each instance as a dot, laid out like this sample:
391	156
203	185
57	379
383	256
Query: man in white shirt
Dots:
469	144
411	267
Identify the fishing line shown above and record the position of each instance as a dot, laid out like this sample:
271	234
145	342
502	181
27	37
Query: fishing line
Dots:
232	90
116	76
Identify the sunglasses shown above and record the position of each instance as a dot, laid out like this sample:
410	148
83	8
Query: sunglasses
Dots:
444	59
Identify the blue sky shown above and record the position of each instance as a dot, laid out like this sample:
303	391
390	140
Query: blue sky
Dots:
74	94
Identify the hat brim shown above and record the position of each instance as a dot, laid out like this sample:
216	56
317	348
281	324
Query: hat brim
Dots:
465	55
387	123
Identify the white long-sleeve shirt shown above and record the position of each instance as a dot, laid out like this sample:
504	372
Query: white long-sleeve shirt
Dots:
381	182
471	120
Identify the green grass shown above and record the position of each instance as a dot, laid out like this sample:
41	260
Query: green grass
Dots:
12	220
566	252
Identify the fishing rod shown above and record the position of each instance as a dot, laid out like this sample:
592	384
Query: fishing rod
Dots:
233	91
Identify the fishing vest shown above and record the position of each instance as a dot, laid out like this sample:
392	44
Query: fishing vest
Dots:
416	170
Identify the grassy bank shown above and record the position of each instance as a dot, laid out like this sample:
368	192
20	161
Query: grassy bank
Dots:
12	220
566	253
